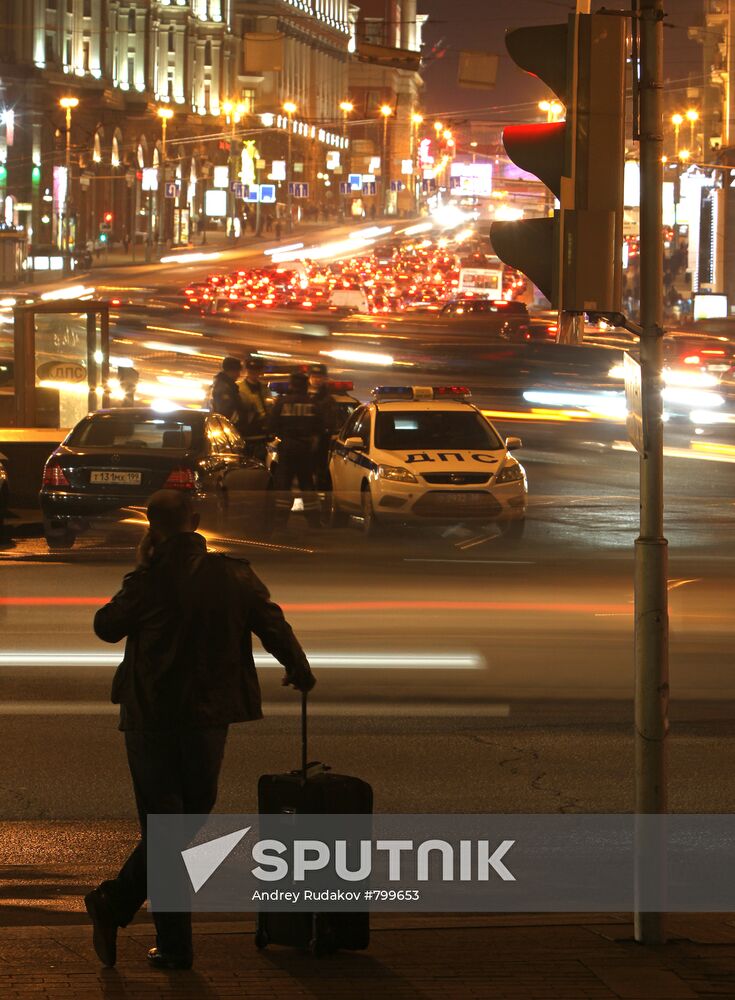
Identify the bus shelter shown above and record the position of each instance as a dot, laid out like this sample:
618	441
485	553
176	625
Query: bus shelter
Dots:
62	361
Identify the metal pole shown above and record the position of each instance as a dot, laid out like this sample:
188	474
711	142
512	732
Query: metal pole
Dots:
289	175
233	177
651	598
162	188
384	166
67	192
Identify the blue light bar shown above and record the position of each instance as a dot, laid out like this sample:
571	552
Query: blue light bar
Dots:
392	392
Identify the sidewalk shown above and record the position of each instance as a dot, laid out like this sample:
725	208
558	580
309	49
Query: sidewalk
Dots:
414	956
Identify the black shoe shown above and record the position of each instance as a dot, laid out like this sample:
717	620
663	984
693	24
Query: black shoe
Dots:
104	932
159	960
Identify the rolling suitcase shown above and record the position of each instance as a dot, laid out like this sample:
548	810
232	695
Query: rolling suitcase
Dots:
313	789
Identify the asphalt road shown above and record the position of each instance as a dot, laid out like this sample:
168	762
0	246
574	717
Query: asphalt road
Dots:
455	672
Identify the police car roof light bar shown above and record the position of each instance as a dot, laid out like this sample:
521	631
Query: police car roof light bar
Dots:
419	392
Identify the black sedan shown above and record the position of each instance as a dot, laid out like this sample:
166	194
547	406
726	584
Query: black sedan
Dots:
113	460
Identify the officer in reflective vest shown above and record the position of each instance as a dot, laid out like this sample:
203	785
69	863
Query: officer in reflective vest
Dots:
297	422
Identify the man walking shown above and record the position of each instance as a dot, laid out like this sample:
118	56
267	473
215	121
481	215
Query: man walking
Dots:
297	422
254	395
224	394
187	673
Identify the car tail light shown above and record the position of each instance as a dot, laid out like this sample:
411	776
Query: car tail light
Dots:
53	475
181	479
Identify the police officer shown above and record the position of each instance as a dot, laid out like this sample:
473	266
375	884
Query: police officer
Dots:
224	395
254	396
296	420
321	394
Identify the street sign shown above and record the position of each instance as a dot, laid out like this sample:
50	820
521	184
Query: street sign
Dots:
299	189
634	420
238	189
62	371
252	194
169	189
397	186
344	188
368	187
268	194
355	181
150	179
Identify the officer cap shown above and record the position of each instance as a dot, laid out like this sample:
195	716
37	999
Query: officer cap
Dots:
254	363
231	364
318	369
299	380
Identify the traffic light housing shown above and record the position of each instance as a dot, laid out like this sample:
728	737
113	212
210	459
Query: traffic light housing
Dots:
574	258
107	217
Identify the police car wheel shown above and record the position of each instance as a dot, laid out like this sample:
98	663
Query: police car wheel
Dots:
370	523
63	539
336	518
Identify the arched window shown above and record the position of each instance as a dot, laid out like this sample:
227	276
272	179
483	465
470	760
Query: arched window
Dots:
115	155
97	152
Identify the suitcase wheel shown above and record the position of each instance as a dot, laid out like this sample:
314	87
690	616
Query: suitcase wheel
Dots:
261	939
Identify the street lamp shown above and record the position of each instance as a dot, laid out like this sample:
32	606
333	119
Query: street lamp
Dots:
692	117
676	121
346	107
684	155
68	104
386	111
165	114
290	108
233	112
553	109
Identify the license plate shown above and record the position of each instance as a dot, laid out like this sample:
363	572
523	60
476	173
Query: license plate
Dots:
112	477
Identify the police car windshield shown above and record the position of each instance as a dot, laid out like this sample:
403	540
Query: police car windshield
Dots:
409	430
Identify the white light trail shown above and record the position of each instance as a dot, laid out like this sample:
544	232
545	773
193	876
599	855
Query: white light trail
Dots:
325	661
68	292
190	258
360	357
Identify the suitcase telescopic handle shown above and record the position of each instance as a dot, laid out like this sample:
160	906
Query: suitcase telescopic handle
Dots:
304	764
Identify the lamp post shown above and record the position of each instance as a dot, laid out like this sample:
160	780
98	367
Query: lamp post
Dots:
165	114
233	114
290	108
676	121
692	117
417	121
346	107
68	104
386	111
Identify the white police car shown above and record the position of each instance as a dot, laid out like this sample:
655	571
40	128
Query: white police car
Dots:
421	454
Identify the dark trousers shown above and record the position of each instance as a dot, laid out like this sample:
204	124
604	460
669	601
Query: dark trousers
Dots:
295	461
172	772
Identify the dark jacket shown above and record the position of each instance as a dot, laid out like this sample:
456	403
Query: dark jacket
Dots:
327	406
188	620
225	397
254	415
296	417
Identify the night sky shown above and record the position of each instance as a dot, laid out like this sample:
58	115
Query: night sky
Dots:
481	25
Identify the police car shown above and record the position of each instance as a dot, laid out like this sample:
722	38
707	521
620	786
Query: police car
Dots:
425	455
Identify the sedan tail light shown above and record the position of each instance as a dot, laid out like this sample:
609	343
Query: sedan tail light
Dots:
181	479
53	475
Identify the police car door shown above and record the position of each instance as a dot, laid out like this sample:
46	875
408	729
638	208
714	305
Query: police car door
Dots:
350	467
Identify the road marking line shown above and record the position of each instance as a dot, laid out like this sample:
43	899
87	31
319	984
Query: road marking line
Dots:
333	607
466	562
440	710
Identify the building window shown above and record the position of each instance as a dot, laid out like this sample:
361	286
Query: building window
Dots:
131	22
85	55
208	54
50	53
67	52
87	11
248	99
131	68
171	41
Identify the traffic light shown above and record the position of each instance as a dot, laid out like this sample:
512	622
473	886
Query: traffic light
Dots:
107	217
574	258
